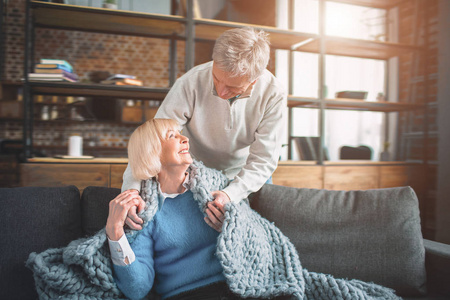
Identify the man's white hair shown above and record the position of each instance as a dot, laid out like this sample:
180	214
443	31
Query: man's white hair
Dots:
242	52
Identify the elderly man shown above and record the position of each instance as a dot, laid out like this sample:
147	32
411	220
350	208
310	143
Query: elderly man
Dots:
232	111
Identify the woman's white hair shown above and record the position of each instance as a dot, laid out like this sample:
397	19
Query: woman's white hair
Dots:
144	147
242	52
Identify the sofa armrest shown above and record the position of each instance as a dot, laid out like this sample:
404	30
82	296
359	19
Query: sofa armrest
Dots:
437	261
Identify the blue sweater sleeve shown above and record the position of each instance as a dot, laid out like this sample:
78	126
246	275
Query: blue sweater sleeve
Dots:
136	280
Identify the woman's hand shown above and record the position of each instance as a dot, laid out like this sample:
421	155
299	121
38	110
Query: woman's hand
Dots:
216	209
118	209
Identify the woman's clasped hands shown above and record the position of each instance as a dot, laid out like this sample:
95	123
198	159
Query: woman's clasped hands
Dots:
119	207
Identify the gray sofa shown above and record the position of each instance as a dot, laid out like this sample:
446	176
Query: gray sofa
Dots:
369	235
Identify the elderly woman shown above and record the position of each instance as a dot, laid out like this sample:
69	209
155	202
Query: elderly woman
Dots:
177	247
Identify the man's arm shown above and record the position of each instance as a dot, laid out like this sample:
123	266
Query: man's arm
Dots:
178	103
129	182
264	153
175	106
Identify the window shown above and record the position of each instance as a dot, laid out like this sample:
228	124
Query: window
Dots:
350	128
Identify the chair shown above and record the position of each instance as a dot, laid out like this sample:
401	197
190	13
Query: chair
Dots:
361	152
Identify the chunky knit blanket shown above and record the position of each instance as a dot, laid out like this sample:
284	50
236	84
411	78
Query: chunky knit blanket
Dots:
258	260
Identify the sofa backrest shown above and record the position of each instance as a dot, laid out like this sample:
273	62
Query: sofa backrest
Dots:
33	219
94	207
372	235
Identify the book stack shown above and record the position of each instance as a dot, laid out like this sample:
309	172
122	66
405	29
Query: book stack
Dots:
53	70
122	79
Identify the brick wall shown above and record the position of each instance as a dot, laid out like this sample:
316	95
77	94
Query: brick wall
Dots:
418	84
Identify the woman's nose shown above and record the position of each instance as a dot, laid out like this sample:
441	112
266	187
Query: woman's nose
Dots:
184	139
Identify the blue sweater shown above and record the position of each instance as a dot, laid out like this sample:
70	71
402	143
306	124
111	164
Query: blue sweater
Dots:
176	251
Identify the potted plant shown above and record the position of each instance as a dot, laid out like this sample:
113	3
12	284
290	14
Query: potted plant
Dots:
385	155
112	4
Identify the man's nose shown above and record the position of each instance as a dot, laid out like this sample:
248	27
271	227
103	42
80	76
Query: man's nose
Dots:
222	91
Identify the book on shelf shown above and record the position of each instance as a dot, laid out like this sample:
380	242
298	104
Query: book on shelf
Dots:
120	76
66	76
124	81
62	62
51	68
53	71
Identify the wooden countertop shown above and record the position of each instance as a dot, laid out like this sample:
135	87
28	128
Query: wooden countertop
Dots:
124	160
98	160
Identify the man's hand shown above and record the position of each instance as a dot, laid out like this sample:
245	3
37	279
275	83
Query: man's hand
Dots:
216	210
132	220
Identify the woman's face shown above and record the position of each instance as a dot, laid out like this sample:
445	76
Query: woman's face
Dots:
175	150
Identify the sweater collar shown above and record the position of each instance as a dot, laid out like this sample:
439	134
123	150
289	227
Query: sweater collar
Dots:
162	196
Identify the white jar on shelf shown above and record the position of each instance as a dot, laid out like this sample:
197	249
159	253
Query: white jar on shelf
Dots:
75	146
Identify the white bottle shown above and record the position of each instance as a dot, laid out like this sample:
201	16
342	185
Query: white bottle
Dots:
54	113
44	113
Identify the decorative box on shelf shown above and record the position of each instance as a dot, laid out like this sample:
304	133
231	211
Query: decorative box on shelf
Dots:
136	112
11	109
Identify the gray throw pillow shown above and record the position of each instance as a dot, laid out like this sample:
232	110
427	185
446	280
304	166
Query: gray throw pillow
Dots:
372	235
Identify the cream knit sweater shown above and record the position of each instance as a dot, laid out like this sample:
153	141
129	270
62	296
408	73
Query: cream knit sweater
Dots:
242	138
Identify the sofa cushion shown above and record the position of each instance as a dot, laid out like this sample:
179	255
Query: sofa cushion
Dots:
372	235
33	220
95	207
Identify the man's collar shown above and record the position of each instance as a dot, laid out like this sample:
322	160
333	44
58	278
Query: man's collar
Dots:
245	94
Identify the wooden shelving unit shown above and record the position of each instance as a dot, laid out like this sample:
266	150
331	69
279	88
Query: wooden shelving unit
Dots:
190	29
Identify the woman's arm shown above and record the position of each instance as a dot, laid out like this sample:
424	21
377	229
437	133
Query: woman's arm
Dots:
135	279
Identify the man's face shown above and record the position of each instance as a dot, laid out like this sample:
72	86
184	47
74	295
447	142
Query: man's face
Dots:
228	87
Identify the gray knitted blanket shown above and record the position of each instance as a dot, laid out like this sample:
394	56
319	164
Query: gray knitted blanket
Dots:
258	260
